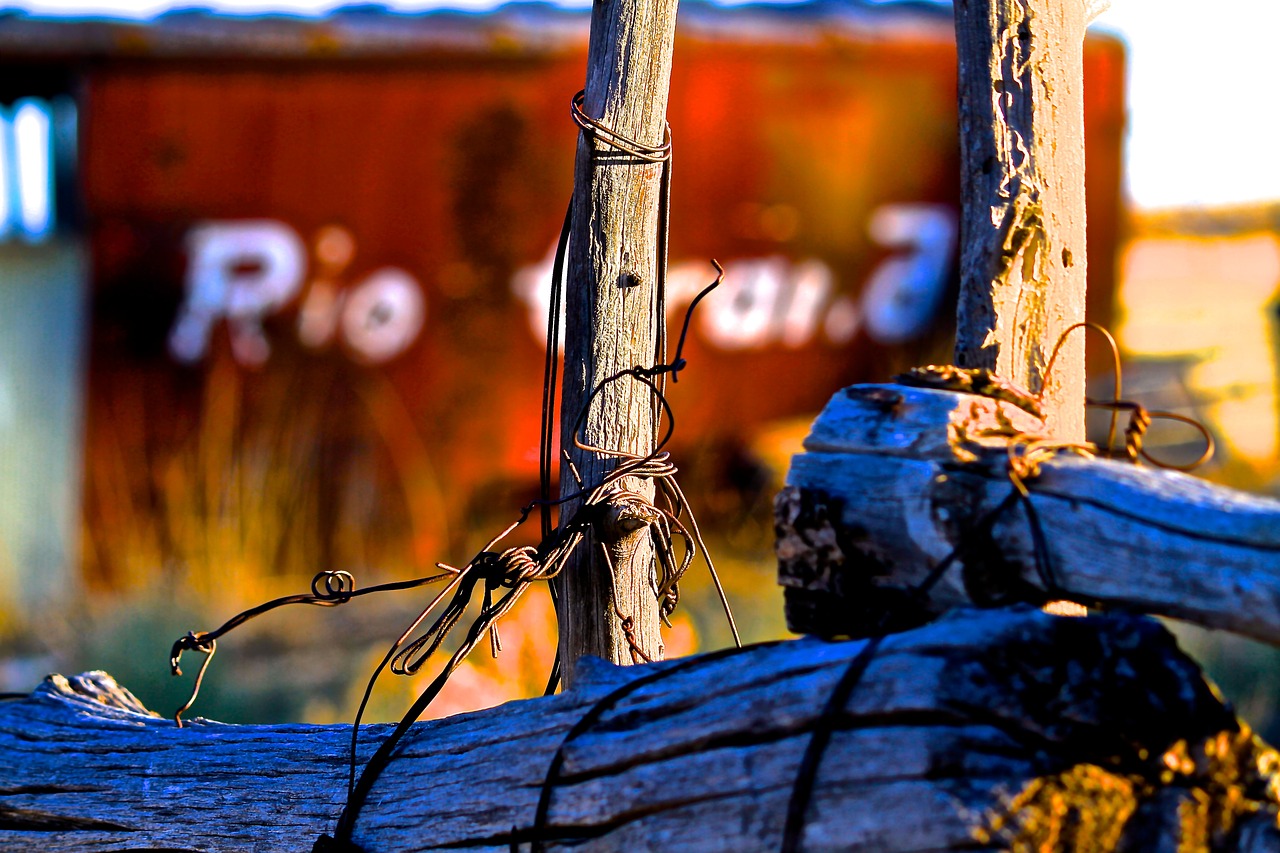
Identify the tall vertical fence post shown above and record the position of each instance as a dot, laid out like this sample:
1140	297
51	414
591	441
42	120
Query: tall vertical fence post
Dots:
608	607
1022	231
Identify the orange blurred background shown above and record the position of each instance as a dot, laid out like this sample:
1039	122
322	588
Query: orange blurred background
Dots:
311	261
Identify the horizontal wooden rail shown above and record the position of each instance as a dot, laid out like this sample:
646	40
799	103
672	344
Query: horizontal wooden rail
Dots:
981	730
896	478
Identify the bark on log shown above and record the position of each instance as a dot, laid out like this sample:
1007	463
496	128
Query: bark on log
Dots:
984	730
612	315
1022	229
880	497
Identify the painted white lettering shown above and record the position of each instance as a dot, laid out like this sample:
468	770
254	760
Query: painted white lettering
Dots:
318	316
334	248
810	289
843	321
770	301
240	271
903	294
742	315
244	271
383	314
762	301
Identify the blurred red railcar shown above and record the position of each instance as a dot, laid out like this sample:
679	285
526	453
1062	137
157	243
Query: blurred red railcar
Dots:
319	253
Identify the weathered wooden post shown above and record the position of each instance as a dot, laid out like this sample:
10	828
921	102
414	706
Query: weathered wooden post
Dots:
1022	285
1022	229
613	316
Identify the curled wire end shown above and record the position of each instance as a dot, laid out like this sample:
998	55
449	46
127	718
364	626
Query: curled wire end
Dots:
678	363
335	587
192	642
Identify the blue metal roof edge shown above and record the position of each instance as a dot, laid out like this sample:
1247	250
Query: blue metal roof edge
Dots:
187	9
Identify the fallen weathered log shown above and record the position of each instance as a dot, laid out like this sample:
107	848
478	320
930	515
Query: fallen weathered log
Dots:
895	478
1001	729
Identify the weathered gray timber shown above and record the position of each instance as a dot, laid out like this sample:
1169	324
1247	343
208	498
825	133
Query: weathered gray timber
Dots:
613	308
894	478
983	730
1022	228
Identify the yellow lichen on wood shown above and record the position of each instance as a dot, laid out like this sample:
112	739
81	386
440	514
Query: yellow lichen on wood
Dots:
1234	775
1085	808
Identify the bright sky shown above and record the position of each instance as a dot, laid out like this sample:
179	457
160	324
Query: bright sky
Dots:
1204	99
1204	86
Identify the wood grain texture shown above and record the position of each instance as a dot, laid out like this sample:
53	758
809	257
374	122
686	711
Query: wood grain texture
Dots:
1022	228
874	505
612	315
984	730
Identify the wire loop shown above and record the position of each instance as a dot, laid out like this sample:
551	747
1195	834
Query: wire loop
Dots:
1140	419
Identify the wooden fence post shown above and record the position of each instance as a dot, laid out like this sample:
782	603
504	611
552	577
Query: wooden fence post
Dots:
1022	230
612	306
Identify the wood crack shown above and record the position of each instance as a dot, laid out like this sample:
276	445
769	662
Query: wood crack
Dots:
31	820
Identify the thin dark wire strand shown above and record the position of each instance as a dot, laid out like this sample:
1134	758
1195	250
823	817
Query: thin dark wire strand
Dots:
678	363
1209	446
823	728
711	568
595	128
537	834
1139	417
385	751
646	376
553	680
983	526
1040	550
373	678
567	538
550	374
339	588
660	287
1140	420
824	725
546	444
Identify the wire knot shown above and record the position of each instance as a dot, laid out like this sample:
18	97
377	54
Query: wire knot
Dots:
192	642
